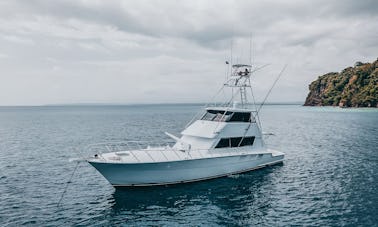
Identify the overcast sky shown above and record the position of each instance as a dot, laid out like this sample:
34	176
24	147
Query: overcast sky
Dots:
91	51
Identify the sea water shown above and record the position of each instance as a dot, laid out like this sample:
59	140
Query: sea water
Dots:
329	176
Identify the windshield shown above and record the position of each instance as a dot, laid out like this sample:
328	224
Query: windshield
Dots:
216	115
220	115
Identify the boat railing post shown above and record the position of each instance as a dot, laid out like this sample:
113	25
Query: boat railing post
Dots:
148	153
130	146
199	152
108	148
137	145
190	156
174	151
127	146
132	153
164	155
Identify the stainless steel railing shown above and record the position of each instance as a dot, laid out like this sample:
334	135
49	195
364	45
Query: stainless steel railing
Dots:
133	147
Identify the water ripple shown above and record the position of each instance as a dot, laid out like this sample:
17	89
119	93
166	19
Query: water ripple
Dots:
329	177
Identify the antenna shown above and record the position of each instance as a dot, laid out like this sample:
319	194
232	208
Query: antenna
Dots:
231	52
232	89
250	49
227	67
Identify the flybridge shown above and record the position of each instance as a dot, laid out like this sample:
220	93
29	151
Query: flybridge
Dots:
240	78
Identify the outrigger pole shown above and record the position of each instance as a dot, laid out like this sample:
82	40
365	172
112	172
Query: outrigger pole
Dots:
271	88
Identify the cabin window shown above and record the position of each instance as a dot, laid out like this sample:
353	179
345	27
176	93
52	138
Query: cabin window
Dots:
216	115
220	115
241	117
223	143
208	116
236	142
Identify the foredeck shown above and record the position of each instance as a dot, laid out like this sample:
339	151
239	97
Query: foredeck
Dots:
164	154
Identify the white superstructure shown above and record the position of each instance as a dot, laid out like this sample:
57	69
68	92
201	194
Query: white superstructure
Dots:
225	140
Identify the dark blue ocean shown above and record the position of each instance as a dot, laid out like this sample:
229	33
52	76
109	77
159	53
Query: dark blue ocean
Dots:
329	176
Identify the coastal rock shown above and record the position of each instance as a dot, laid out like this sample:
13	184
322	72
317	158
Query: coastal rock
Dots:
352	87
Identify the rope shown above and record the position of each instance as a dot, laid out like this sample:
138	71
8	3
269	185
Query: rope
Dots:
69	181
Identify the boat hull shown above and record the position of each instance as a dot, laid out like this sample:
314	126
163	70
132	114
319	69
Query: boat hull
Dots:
184	171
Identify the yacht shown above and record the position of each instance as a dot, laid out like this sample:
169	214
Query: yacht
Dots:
225	139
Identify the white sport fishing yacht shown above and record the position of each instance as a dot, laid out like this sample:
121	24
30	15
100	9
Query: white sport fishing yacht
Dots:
226	140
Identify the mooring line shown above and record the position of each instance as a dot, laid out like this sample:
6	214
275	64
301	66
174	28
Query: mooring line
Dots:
68	182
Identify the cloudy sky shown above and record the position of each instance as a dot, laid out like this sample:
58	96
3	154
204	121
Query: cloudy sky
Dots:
116	51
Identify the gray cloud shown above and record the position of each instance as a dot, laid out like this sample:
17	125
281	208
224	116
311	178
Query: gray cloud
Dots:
160	51
203	21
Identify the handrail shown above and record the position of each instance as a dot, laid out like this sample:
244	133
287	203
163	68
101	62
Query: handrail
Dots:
149	155
194	153
164	155
132	153
123	145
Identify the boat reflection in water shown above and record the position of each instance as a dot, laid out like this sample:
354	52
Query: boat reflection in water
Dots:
216	201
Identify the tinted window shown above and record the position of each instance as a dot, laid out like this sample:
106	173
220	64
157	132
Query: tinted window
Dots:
208	116
216	115
223	143
247	141
236	142
241	117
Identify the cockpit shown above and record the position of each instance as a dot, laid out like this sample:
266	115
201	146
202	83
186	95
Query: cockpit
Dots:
227	116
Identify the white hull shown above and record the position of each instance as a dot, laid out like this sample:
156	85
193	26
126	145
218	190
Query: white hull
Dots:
173	172
225	140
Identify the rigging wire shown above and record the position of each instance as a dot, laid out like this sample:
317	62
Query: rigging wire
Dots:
257	119
206	105
271	88
217	93
231	52
258	110
228	105
68	182
261	67
256	115
250	50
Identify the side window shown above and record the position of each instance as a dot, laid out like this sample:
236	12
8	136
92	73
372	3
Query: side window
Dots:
219	117
236	142
215	115
247	141
241	117
223	143
208	116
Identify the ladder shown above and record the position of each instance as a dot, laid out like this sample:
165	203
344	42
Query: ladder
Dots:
243	96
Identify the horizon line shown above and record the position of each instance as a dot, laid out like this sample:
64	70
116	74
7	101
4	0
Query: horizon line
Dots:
140	104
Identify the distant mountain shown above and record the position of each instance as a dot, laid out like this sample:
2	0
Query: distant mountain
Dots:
353	87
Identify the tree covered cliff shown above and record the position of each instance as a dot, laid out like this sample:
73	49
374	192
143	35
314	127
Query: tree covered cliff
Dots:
353	87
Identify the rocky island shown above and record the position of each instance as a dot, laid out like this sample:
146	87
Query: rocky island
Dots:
352	87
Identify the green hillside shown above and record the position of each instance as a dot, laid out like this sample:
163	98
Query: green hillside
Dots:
353	87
